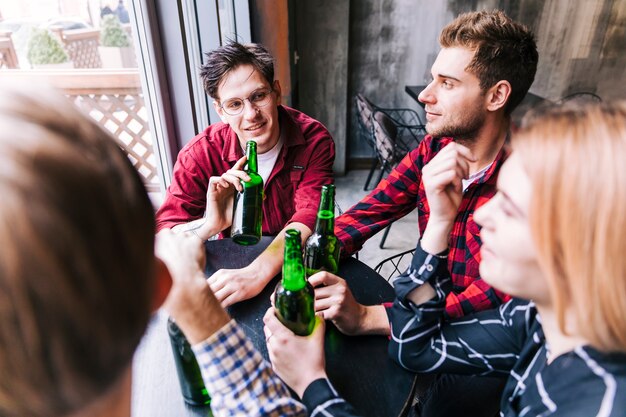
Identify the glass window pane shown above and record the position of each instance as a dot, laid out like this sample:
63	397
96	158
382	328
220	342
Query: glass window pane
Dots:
85	48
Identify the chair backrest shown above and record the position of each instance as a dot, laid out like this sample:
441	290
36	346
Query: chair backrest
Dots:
385	133
394	265
364	111
82	46
8	57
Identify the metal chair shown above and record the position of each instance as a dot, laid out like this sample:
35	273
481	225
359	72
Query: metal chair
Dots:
403	126
394	265
364	111
389	143
391	132
393	141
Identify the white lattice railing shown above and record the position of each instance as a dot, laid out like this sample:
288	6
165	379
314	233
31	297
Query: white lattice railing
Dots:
115	100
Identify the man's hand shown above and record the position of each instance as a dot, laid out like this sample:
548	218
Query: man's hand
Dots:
233	285
442	178
220	198
236	174
442	181
190	301
286	351
334	301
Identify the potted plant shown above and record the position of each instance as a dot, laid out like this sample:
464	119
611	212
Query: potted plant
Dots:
46	51
115	47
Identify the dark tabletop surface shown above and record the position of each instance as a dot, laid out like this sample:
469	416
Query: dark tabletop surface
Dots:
358	366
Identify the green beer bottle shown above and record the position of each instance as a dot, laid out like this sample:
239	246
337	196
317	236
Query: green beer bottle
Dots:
321	251
248	207
294	296
189	374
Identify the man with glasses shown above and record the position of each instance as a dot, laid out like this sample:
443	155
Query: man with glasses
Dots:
295	158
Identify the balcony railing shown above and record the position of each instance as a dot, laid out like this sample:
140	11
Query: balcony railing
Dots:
114	99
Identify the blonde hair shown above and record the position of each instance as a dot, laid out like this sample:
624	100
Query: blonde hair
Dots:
574	156
77	258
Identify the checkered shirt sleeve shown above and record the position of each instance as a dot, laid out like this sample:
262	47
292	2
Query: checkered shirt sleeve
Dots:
403	191
240	381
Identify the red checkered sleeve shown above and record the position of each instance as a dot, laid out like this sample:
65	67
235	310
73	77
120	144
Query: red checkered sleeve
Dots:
393	198
399	194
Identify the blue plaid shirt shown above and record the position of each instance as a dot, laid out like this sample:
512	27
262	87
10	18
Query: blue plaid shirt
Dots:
240	381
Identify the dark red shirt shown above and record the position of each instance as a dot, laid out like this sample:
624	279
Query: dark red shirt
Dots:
400	193
292	191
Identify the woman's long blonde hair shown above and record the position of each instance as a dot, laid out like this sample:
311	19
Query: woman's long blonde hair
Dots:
575	157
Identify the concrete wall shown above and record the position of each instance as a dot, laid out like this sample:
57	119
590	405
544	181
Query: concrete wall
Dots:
392	44
311	55
377	47
322	66
269	21
581	44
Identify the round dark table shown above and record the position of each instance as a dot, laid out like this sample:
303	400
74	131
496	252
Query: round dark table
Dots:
358	366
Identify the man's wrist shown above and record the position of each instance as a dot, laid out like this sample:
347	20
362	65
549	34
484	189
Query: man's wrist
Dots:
266	266
307	380
374	321
435	237
205	230
200	315
199	227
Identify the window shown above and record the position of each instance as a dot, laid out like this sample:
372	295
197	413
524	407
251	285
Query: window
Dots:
130	64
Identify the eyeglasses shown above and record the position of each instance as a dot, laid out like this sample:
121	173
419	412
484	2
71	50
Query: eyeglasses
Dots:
258	98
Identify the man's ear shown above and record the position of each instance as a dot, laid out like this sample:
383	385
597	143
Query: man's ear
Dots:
498	95
219	111
277	90
163	284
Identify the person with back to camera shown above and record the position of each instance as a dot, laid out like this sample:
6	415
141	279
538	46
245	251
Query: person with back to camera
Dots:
80	278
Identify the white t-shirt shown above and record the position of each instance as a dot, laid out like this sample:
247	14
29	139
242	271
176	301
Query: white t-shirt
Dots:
268	159
474	177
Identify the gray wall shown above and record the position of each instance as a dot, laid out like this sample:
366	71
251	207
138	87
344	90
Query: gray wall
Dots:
581	43
392	44
321	72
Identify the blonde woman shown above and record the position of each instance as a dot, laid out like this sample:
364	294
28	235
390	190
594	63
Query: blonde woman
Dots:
554	237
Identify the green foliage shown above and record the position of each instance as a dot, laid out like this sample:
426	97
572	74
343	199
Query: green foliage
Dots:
112	33
44	48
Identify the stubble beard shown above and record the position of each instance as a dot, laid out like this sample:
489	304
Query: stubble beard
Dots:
463	130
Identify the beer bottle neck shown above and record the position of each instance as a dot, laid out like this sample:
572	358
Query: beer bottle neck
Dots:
293	268
325	222
252	159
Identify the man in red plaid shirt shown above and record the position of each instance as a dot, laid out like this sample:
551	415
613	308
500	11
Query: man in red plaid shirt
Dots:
483	71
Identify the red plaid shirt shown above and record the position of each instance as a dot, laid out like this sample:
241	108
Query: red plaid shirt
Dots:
292	191
402	191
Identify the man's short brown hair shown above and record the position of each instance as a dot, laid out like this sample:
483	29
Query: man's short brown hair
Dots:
221	61
77	258
504	50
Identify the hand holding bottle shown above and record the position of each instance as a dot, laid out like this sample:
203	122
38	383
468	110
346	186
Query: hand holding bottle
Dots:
335	302
286	351
248	205
219	198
